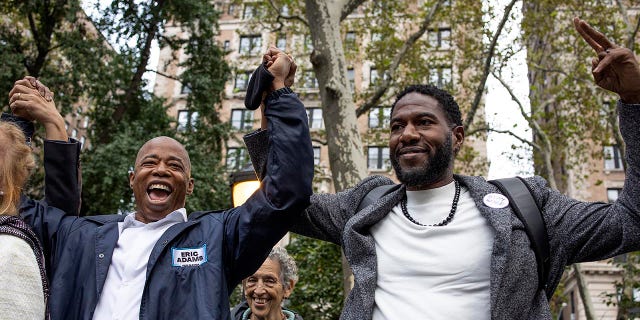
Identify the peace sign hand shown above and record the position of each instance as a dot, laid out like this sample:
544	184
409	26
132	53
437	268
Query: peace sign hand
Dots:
616	68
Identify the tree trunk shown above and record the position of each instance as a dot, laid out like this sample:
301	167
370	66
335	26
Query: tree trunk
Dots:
346	157
584	292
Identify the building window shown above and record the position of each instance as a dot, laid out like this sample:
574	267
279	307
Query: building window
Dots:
351	77
612	194
440	38
379	117
350	41
281	42
74	133
441	77
315	118
309	80
226	45
83	139
612	158
233	9
85	122
250	45
242	80
185	89
241	119
187	120
316	156
250	11
378	158
236	158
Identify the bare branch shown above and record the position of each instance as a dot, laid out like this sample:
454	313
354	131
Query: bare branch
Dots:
487	65
562	72
633	35
322	142
513	97
348	8
389	75
627	23
165	75
287	17
508	132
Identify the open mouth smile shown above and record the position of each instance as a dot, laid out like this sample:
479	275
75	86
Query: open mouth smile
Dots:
158	192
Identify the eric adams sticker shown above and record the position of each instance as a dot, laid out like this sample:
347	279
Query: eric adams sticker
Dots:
183	257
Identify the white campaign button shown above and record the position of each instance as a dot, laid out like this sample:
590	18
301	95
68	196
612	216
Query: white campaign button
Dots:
495	200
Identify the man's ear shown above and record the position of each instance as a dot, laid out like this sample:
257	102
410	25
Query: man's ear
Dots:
190	186
458	138
132	175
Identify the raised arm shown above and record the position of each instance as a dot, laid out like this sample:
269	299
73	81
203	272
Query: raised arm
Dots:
286	181
33	101
616	68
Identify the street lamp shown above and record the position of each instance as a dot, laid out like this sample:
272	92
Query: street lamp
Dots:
243	183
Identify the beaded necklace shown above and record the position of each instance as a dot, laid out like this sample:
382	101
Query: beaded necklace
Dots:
454	206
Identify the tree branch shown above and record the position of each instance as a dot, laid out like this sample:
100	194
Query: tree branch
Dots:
281	16
509	132
348	8
145	54
487	65
165	75
513	97
389	74
322	142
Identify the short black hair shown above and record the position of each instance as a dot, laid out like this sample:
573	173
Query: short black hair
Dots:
444	98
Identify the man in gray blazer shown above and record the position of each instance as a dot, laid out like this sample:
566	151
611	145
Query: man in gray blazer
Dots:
445	245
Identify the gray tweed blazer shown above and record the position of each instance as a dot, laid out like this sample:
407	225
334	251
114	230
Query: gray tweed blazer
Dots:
578	231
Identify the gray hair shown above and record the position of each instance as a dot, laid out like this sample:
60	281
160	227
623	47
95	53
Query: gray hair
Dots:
288	268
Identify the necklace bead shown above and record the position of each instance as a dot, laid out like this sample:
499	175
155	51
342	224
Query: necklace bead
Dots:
446	221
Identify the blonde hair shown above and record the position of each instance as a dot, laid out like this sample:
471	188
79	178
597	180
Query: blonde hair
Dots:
16	163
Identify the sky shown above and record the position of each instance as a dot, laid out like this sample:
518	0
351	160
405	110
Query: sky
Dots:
501	111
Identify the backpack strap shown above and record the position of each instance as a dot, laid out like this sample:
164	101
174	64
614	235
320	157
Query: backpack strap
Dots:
375	194
527	210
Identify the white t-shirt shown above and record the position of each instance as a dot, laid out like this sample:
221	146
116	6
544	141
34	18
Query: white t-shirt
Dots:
433	272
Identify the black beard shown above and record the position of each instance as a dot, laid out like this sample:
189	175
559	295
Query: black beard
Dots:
429	172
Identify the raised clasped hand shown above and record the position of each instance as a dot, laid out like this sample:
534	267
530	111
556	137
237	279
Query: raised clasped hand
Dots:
32	100
281	65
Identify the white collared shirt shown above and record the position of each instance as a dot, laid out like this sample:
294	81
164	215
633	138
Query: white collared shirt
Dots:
122	291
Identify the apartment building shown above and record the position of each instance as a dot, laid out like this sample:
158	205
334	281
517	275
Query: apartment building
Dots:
245	42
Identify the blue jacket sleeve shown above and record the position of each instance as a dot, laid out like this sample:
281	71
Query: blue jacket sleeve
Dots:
62	175
256	226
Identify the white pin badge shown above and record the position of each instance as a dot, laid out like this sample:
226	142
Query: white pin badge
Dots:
495	200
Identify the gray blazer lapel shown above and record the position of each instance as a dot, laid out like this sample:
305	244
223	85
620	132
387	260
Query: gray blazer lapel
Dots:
500	221
360	248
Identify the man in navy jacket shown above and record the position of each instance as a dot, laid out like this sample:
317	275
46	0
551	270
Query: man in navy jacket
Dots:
157	264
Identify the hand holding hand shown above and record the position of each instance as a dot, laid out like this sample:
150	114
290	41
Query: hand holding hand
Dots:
616	68
281	66
32	100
